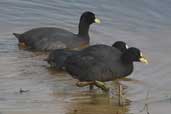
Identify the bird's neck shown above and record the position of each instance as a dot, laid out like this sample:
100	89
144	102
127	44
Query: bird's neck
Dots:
83	29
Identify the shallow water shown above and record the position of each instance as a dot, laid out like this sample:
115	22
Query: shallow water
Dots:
145	24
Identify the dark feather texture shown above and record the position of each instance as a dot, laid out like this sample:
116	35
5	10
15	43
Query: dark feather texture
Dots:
50	38
98	62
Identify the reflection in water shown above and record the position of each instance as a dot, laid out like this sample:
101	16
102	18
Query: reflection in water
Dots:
97	104
84	101
94	103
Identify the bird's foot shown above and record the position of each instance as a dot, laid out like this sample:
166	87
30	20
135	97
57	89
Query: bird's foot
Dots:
82	84
102	85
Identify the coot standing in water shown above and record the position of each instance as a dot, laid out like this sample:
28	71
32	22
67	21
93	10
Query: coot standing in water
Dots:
50	38
100	63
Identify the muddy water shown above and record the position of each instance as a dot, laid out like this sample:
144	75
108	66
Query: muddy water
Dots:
145	24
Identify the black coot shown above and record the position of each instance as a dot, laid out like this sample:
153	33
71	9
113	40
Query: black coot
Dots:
100	63
50	38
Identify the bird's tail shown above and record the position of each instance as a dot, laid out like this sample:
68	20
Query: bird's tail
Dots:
17	35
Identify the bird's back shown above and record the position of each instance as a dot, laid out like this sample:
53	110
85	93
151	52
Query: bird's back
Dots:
49	38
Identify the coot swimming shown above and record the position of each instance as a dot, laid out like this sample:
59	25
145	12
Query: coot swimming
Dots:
50	38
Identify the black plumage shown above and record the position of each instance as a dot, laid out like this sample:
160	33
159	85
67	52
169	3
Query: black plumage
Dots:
57	57
50	38
102	63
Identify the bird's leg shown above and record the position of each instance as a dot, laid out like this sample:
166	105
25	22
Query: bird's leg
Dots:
101	85
91	83
120	95
82	84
